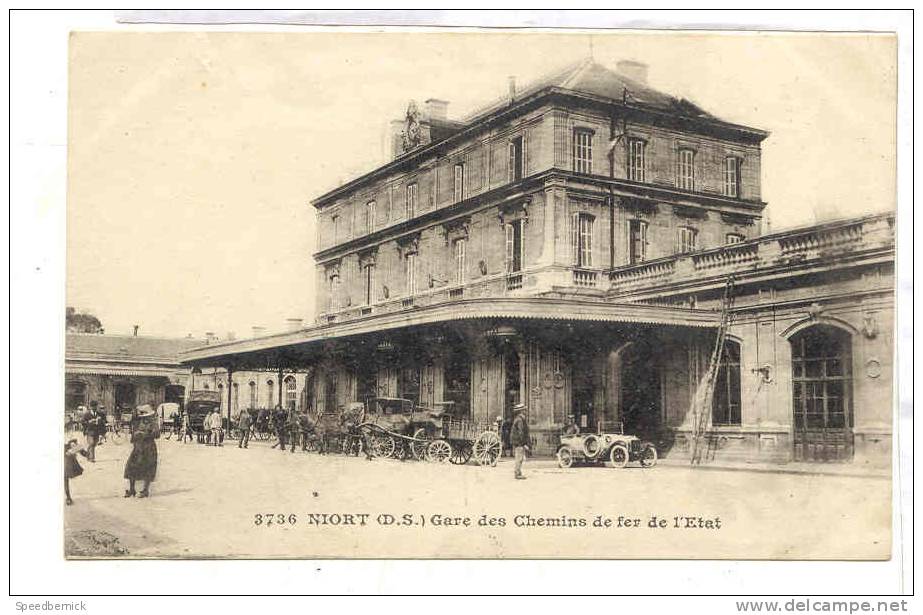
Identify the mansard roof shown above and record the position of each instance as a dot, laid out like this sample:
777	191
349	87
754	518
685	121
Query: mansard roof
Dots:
586	79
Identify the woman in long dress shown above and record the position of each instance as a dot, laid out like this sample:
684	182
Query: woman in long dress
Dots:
142	462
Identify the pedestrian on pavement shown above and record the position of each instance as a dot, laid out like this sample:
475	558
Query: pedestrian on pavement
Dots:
142	462
216	425
243	426
519	438
187	428
278	423
72	467
293	423
93	424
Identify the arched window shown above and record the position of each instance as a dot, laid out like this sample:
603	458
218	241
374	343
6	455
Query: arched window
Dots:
291	392
726	400
822	393
270	394
253	402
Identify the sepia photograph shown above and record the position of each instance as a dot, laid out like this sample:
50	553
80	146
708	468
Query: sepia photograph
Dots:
426	303
480	295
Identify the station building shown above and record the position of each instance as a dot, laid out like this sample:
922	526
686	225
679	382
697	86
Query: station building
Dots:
572	246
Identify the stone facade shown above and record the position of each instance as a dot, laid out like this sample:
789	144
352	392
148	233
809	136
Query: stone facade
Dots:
570	248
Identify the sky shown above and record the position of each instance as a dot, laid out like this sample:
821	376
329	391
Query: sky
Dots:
193	157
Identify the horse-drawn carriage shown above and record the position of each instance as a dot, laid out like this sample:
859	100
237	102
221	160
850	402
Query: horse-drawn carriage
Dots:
396	427
199	405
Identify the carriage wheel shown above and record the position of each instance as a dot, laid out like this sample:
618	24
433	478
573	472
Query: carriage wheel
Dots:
382	446
419	445
487	449
461	453
438	451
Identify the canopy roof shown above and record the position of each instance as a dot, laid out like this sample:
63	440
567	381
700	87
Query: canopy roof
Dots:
263	351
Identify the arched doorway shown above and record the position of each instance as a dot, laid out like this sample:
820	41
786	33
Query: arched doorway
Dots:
822	394
641	399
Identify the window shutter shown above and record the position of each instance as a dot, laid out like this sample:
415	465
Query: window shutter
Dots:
510	246
511	163
575	237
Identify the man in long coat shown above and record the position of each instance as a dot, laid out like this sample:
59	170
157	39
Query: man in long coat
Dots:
519	438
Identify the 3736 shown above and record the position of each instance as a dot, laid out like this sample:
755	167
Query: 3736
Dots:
268	519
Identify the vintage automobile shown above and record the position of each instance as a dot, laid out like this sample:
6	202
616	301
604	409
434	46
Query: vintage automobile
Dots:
609	443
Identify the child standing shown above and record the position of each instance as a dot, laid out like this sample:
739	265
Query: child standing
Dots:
72	468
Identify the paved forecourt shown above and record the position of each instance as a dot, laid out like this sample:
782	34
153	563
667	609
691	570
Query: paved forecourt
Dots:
259	502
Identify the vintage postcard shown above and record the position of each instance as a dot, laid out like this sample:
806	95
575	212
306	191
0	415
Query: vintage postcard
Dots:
480	294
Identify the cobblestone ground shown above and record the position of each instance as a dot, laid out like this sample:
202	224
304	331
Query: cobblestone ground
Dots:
214	502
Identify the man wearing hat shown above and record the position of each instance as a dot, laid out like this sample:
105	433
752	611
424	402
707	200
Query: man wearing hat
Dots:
519	438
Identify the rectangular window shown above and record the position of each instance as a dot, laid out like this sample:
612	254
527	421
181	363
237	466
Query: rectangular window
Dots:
461	253
369	284
733	238
686	240
410	266
637	241
726	399
410	203
459	182
515	164
732	176
583	151
369	217
335	231
514	247
636	160
334	293
582	239
685	170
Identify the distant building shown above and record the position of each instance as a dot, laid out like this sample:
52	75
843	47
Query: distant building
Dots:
569	247
125	371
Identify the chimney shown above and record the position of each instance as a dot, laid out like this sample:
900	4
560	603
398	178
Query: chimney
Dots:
231	336
210	337
135	333
511	80
293	324
436	109
636	71
258	331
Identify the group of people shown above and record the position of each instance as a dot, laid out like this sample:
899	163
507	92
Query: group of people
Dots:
141	465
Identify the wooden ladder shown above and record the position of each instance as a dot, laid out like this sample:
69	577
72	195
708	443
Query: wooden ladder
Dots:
702	402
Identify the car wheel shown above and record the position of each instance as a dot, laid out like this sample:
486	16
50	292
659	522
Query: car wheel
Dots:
648	455
618	455
565	458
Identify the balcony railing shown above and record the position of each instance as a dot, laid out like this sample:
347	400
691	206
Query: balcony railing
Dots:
585	279
830	240
514	281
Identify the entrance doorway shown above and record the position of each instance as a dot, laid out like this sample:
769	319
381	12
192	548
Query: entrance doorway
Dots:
75	394
511	370
641	395
175	394
125	397
822	394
